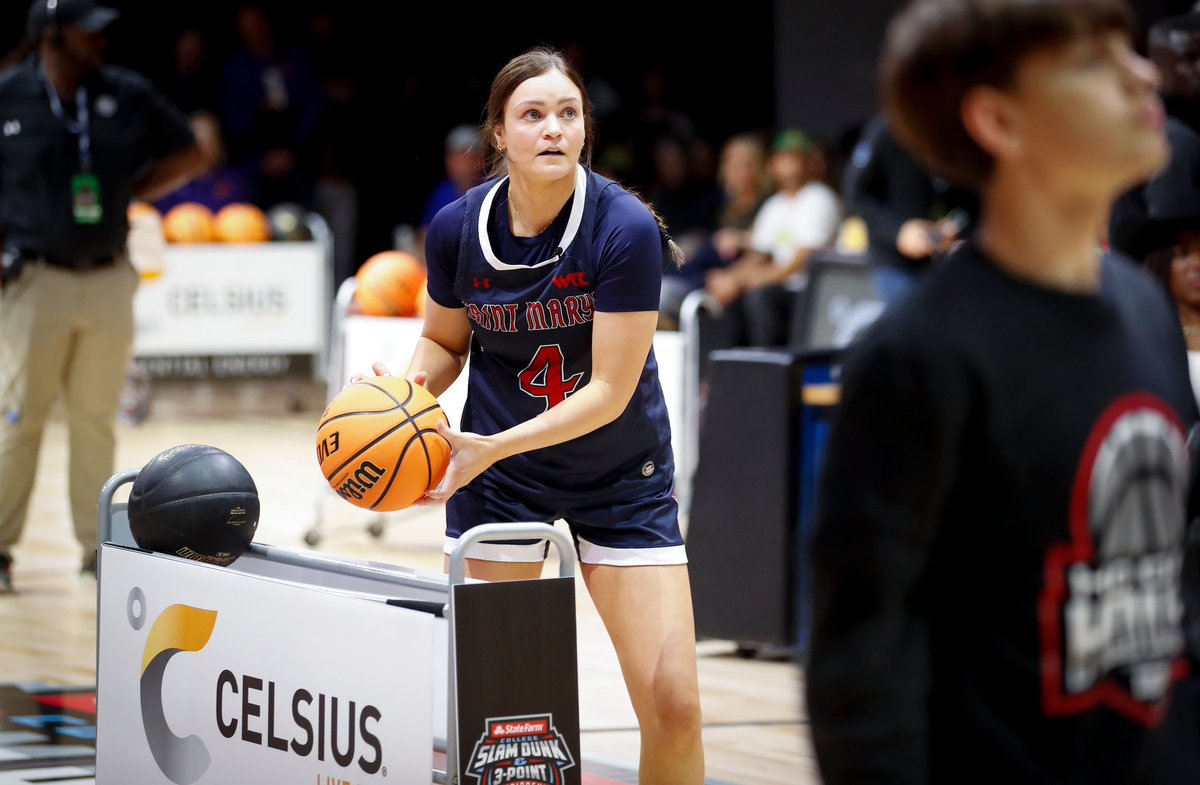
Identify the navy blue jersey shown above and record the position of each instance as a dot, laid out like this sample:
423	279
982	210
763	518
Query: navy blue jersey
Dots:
531	302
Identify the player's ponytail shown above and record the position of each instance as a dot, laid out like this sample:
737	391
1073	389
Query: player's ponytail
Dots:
672	253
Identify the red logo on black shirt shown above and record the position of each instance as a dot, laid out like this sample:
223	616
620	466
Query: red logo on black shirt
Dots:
1111	610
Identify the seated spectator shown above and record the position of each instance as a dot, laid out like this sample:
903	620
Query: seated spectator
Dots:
464	169
801	217
221	184
742	175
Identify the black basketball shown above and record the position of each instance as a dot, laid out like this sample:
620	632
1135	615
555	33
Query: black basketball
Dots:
289	223
194	501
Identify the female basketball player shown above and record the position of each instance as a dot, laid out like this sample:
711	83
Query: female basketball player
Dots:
1001	516
548	277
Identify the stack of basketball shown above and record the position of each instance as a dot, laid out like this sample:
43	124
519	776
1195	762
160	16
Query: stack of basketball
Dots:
391	283
192	222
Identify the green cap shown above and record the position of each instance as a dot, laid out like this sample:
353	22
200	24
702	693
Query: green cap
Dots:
792	141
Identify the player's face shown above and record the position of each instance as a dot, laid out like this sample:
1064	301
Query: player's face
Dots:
543	131
1087	115
1185	270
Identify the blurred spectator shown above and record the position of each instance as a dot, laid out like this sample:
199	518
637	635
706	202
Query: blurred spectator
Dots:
605	98
687	203
270	104
655	118
906	209
464	169
801	217
744	186
221	184
340	151
1174	193
1177	267
191	82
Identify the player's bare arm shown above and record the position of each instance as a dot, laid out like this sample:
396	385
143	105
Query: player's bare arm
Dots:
620	344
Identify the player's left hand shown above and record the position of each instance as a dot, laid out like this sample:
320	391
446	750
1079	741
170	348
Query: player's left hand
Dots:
470	455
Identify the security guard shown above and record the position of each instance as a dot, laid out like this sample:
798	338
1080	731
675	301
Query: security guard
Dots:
78	141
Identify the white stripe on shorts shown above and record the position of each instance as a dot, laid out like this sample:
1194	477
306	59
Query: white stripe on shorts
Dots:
591	553
498	551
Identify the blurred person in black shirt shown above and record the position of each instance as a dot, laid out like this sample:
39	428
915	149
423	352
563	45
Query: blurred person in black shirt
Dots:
1001	517
78	141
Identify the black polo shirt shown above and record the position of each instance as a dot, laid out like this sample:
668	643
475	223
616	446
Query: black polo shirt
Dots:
131	125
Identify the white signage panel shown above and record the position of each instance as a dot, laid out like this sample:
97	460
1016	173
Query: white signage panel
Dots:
391	340
234	299
207	675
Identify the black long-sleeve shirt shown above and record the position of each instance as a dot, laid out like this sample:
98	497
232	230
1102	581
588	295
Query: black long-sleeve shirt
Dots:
885	186
999	535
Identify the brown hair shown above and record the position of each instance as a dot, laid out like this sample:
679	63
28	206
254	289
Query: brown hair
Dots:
530	64
936	51
533	63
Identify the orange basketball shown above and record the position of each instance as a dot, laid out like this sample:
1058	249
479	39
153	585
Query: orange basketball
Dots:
422	293
387	284
378	445
188	223
241	223
138	210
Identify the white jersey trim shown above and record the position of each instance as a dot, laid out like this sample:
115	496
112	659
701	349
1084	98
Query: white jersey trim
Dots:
568	237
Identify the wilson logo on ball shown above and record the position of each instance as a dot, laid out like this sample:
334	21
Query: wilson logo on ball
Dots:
363	480
378	445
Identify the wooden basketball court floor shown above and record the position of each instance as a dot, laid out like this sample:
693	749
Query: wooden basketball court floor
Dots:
755	729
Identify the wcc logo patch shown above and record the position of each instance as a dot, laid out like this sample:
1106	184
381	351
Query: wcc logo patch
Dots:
520	751
1111	607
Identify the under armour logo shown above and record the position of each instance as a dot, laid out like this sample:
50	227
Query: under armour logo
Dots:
12	127
484	283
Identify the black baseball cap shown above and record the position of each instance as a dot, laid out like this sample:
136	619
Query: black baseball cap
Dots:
82	14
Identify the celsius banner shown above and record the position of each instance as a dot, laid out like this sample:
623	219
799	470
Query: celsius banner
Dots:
208	675
234	299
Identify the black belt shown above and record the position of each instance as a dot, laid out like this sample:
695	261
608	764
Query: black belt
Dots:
79	263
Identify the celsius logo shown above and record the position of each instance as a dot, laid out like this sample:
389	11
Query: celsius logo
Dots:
178	628
520	751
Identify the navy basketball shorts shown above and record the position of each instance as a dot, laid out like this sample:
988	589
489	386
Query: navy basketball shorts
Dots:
633	523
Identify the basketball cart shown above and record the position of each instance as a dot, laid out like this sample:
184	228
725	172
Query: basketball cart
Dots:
234	310
356	341
287	665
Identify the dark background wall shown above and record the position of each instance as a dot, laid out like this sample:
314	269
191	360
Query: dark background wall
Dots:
745	65
826	57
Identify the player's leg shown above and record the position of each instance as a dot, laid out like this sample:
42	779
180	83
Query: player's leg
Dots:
94	379
494	561
35	339
648	614
635	568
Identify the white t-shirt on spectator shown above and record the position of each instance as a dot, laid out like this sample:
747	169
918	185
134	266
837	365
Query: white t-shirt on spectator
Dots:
785	224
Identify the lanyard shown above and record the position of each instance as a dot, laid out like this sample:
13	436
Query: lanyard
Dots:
78	126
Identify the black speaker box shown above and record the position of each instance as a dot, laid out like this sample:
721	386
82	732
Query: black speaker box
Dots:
742	537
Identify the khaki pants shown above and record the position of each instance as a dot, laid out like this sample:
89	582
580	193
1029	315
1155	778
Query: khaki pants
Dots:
69	332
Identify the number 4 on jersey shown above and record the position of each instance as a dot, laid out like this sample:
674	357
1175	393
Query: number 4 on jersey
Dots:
543	377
